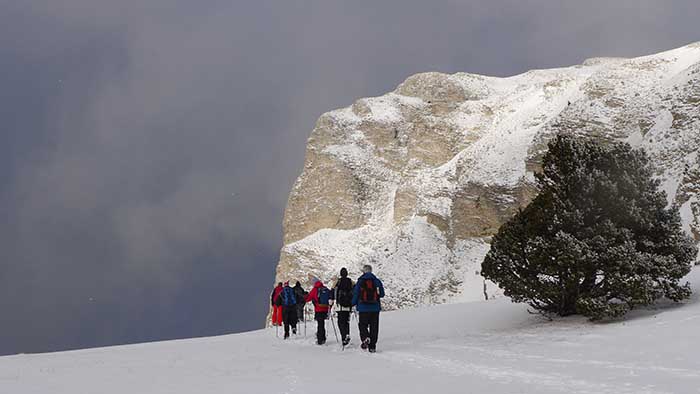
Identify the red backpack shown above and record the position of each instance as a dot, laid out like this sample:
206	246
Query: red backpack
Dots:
368	292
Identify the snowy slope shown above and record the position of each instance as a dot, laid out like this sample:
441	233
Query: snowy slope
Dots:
417	181
480	347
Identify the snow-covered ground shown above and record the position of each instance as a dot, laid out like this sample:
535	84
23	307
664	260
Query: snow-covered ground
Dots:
480	347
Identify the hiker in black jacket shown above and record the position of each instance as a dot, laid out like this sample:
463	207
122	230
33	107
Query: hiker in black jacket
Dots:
300	294
342	292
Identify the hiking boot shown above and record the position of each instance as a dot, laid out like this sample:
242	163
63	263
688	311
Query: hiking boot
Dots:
372	350
365	343
286	335
346	340
294	331
321	341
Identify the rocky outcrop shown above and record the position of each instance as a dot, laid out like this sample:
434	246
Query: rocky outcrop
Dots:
416	181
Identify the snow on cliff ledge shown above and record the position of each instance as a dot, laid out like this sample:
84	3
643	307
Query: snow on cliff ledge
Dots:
416	181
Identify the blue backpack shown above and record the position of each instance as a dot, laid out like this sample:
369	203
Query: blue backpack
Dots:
324	295
288	297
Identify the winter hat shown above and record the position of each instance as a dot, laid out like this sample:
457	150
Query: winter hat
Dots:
366	268
343	272
279	283
286	283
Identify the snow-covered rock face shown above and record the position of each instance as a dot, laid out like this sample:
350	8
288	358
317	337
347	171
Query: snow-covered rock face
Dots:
416	182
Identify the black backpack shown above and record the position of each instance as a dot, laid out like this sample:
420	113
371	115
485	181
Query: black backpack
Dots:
300	294
278	299
369	294
343	292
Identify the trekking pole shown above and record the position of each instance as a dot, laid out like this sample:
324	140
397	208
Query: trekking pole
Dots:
305	320
334	329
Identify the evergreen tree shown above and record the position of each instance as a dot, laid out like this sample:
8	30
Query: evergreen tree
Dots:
597	240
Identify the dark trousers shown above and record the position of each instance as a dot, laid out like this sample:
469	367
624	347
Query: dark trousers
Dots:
289	317
369	327
321	329
344	323
300	312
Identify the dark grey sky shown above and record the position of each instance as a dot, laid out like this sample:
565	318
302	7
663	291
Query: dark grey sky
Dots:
147	147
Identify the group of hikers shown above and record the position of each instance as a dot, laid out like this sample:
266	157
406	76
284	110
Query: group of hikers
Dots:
364	295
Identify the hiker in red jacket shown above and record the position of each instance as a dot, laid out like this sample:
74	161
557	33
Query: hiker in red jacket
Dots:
320	295
276	306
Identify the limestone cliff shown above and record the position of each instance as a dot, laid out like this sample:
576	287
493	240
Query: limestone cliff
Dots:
416	181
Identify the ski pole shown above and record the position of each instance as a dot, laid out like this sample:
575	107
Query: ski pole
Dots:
334	329
342	344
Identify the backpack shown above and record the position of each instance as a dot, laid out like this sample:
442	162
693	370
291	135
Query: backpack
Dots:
368	292
300	294
278	298
287	296
323	295
343	292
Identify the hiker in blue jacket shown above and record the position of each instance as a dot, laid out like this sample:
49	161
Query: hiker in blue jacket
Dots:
287	300
365	298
